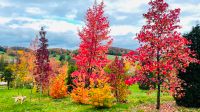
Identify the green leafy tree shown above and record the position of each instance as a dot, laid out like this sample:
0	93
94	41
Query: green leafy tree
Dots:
70	84
2	63
62	57
8	75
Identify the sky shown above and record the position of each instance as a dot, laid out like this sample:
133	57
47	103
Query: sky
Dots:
20	20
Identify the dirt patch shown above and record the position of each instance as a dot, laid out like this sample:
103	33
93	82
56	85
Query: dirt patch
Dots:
165	107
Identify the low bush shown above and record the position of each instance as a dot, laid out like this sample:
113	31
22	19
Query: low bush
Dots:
100	94
58	88
80	94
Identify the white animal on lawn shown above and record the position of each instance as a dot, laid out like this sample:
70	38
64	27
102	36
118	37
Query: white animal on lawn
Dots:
20	99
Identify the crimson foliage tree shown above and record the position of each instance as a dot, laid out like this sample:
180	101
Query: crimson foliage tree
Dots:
42	68
163	51
118	76
95	41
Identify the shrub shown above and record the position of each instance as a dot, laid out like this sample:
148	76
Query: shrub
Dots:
58	89
80	94
100	94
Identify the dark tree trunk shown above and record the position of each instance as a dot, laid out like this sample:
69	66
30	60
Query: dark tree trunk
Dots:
8	84
158	79
158	94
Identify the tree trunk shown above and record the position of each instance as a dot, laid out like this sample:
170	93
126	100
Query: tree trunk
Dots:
158	78
8	84
40	90
158	93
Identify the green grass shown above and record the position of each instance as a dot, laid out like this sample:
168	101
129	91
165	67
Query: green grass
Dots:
112	57
47	104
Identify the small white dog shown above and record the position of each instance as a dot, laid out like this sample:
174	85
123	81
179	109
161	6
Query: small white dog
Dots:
20	99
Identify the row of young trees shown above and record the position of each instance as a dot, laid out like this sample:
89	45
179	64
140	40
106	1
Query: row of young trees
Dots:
95	80
163	52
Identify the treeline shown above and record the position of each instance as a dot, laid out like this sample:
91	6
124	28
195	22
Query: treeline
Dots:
11	51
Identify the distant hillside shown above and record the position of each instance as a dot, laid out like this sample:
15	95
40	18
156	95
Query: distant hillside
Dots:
19	48
118	51
112	50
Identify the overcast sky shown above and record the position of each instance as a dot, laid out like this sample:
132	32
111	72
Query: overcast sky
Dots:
20	20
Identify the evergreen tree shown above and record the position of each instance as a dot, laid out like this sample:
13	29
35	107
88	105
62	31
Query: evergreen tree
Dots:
191	78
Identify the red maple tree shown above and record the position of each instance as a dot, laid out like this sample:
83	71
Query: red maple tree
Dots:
95	41
42	67
117	79
163	51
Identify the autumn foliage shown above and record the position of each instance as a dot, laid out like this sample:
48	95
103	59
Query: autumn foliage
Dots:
92	57
100	92
42	68
80	94
117	80
21	69
95	80
163	51
58	88
94	42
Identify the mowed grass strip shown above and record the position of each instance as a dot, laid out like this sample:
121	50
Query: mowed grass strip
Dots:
37	103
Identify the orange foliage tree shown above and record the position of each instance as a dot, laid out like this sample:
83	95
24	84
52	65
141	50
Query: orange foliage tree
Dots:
58	88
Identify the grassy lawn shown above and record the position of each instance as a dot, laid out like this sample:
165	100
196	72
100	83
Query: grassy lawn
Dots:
112	57
47	104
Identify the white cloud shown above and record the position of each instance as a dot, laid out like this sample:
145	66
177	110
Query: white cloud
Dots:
72	14
24	19
191	8
35	10
188	22
193	16
52	25
64	21
4	4
120	30
126	6
120	17
4	20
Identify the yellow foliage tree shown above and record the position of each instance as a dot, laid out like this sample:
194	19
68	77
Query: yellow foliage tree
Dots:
100	92
23	68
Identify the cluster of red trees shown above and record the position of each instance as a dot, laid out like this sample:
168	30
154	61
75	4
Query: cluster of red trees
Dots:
162	52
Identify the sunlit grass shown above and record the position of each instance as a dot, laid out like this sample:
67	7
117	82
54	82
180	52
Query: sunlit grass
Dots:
34	103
